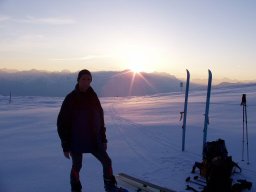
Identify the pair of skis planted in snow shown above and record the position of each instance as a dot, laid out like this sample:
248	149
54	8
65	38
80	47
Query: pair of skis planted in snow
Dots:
184	113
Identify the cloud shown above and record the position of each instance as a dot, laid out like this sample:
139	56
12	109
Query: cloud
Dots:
47	20
42	83
4	18
88	57
24	42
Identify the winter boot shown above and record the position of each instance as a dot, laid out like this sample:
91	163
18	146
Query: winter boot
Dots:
75	181
111	185
76	186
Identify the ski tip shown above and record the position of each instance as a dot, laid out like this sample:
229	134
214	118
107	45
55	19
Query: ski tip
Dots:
188	73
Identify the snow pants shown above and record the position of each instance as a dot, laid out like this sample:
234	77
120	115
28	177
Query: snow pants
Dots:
101	155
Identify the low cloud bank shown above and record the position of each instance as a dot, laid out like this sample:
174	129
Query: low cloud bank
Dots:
106	84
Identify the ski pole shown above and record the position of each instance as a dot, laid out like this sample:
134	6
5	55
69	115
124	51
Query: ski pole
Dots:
246	127
243	137
194	182
191	188
243	103
199	180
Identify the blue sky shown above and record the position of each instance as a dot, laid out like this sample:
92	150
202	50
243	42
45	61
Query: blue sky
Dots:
149	35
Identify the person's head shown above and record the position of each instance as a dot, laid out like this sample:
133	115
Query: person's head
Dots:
84	79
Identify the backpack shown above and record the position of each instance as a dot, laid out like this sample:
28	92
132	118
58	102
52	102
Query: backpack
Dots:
217	167
218	176
214	149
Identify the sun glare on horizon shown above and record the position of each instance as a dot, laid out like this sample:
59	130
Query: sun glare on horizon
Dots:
138	62
137	69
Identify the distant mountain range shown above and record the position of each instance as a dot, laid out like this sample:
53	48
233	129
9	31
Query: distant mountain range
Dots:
105	83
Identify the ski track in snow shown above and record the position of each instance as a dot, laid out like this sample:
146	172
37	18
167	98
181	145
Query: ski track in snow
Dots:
160	163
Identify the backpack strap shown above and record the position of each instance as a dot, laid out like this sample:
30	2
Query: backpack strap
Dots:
242	185
235	165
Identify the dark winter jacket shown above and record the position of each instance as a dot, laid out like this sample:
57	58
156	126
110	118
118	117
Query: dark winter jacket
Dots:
80	122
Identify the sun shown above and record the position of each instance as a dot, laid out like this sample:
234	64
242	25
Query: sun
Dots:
138	62
136	69
137	58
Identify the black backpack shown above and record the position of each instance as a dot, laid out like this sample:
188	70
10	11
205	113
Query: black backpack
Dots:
218	176
220	167
217	167
214	149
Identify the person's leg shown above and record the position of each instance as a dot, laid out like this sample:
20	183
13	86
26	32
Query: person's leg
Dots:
106	162
109	179
74	175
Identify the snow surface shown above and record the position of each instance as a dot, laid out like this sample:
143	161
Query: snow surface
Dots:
144	136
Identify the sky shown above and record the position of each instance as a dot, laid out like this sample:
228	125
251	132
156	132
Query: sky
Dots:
144	35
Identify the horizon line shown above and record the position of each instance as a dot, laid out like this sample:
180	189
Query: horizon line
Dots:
198	80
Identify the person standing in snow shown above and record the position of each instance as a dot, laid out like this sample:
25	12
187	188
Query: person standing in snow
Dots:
81	129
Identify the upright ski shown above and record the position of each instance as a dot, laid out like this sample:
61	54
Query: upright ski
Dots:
185	111
206	118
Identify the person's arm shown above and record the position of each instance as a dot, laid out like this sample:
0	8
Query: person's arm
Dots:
103	132
103	128
102	122
64	126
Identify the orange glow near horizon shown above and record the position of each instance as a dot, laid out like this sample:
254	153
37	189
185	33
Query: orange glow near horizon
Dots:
135	75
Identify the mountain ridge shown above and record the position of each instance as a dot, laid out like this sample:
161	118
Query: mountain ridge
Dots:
106	83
